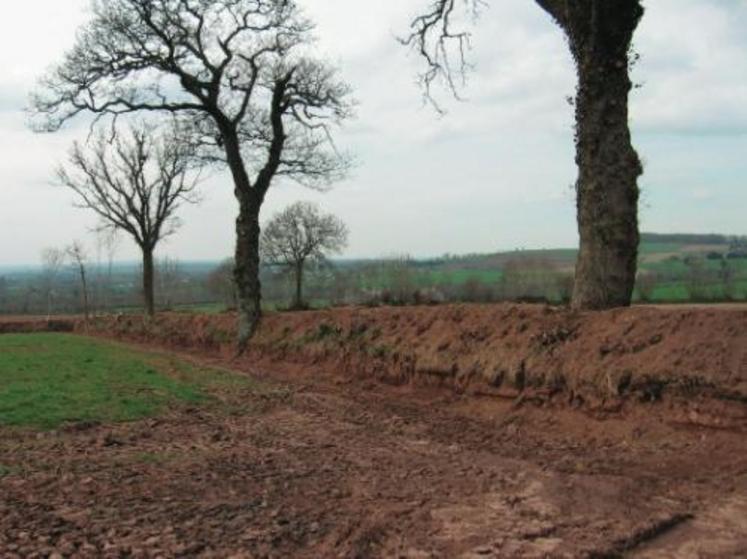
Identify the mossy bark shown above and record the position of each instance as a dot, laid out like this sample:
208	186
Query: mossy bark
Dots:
600	33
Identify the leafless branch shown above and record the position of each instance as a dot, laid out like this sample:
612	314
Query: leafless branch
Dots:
444	49
135	184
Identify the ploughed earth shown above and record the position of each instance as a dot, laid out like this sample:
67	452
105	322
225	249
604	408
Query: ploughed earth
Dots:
454	431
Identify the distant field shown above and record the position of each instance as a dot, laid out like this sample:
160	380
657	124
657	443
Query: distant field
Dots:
647	248
459	277
50	379
673	268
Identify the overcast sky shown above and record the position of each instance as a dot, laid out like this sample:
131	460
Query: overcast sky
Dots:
494	173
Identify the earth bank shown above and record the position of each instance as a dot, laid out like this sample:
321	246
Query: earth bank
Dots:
598	360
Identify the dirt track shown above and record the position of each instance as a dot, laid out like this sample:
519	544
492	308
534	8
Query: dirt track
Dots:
319	464
318	469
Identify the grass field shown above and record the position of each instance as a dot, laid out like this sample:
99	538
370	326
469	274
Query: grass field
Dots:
50	379
460	277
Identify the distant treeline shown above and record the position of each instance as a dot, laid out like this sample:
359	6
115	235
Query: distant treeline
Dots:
691	239
674	267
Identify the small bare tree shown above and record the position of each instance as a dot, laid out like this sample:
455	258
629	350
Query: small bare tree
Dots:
299	235
108	239
220	283
697	279
168	275
239	76
3	294
727	275
79	260
53	260
646	284
397	278
135	184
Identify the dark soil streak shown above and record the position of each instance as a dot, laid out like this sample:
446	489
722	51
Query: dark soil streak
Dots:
643	536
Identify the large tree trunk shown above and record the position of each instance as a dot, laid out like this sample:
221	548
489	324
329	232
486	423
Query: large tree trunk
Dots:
246	259
600	35
246	272
148	274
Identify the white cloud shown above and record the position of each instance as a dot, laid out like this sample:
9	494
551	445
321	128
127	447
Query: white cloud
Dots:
694	68
494	173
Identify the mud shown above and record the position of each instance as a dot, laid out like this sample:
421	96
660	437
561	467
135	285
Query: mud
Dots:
601	360
324	460
313	469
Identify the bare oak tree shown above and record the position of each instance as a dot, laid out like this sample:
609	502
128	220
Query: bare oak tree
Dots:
299	235
135	184
78	256
108	239
169	275
237	74
220	283
599	34
52	261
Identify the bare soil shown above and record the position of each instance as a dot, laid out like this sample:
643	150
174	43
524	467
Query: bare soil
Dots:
596	360
328	461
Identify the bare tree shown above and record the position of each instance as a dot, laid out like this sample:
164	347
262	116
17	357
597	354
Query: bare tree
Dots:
169	275
237	74
3	294
220	283
728	276
343	287
697	279
53	260
646	283
135	184
599	34
108	239
398	281
299	235
79	260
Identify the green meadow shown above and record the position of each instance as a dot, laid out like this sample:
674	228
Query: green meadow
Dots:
47	380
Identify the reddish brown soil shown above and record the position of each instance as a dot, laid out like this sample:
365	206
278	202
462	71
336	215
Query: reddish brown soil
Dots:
600	360
320	461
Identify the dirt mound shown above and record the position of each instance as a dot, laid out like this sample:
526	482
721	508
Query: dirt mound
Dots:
597	359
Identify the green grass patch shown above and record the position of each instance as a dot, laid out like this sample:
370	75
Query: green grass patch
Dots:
671	292
50	379
657	248
460	277
678	292
202	308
